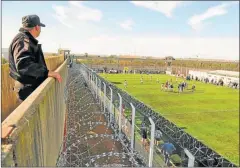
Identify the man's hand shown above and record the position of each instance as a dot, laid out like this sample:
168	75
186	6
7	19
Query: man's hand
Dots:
55	75
7	130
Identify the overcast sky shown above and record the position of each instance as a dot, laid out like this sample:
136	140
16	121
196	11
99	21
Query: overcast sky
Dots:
148	28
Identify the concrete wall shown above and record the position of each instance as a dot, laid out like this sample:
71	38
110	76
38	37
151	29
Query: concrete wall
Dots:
210	76
39	120
199	74
175	69
9	99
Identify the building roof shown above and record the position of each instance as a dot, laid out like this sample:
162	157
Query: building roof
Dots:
225	73
169	58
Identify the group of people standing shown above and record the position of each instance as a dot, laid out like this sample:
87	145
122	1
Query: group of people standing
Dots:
168	85
181	86
218	82
233	85
166	148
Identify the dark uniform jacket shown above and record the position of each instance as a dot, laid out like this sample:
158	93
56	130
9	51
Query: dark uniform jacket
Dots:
26	63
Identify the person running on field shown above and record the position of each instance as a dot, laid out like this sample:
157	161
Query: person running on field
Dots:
166	85
183	85
162	86
171	87
125	84
193	87
179	87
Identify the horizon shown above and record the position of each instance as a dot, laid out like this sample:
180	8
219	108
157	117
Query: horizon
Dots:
142	56
209	30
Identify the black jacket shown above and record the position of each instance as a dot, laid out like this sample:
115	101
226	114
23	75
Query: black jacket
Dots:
26	60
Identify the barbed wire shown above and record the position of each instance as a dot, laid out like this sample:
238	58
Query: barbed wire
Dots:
90	140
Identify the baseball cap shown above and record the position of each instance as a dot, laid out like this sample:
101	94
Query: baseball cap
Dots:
31	21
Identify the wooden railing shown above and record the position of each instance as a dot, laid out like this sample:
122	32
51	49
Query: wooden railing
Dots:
9	99
38	137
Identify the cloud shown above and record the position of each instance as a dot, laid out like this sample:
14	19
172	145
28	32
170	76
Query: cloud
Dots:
197	21
127	24
91	38
9	30
165	7
75	11
61	15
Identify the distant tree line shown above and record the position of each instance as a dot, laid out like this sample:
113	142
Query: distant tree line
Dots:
198	64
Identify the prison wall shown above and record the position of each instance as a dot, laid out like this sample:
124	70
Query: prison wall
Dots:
38	137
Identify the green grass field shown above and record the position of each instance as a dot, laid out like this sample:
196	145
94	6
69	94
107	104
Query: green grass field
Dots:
211	113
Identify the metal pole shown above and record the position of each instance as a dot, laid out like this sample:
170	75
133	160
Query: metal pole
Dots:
133	123
90	72
100	92
96	88
92	78
89	77
104	98
111	104
92	82
120	114
152	142
191	158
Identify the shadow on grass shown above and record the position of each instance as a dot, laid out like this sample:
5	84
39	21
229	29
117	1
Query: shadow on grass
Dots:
183	128
186	92
117	83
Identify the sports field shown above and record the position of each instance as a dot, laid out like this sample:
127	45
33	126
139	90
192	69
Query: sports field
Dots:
211	113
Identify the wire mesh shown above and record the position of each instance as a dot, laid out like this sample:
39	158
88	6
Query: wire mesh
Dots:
90	140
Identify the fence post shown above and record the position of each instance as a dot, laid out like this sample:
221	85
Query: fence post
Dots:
90	72
92	79
89	77
100	92
111	104
133	123
104	98
92	83
152	142
120	114
96	86
191	158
